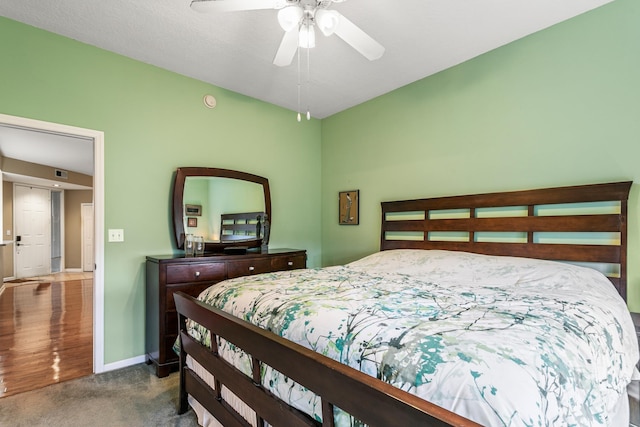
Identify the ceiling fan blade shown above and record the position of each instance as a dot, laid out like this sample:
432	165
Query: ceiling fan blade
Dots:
358	39
235	5
288	48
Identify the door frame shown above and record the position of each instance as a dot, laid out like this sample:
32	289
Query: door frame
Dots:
98	218
62	214
83	261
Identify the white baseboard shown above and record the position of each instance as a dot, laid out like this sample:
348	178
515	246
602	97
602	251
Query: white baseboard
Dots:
2	288
73	270
122	364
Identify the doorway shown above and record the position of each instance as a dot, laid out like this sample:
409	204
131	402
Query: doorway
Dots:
97	139
34	225
32	213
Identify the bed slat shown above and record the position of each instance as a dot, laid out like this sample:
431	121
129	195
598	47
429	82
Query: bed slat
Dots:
262	402
205	395
557	252
568	223
546	196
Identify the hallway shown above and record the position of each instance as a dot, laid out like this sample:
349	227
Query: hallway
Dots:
46	331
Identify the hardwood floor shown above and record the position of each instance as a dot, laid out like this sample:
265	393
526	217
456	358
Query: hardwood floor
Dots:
46	331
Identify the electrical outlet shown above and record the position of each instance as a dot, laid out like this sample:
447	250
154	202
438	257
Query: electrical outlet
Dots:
116	235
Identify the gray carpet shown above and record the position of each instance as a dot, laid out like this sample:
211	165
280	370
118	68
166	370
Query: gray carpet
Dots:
132	396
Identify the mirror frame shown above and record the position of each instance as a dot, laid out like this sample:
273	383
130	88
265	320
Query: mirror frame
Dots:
178	202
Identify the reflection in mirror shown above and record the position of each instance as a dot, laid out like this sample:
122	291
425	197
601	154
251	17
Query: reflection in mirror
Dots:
217	197
228	208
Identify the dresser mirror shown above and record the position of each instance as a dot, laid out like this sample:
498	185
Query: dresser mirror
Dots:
207	200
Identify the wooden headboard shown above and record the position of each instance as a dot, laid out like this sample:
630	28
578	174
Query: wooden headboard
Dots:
515	224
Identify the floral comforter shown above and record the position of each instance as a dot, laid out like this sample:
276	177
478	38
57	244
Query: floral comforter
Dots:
502	341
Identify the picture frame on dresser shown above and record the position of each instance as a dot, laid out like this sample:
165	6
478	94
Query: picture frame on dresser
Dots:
193	210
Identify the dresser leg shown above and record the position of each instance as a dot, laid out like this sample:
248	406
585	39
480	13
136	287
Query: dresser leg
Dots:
162	371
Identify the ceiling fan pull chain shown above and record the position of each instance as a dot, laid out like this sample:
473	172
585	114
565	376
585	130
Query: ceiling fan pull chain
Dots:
308	83
299	79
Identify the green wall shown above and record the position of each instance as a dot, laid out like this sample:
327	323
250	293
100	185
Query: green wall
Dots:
154	121
560	107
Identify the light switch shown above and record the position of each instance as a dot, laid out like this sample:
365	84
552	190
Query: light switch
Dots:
116	235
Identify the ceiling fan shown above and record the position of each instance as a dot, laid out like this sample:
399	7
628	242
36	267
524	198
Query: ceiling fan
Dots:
298	18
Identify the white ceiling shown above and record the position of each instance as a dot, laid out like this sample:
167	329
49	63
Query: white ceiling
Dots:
235	50
66	152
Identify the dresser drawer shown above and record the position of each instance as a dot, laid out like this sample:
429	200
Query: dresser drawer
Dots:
196	272
288	262
249	267
192	289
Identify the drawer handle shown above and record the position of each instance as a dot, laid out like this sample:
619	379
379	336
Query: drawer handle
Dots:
252	268
290	263
197	274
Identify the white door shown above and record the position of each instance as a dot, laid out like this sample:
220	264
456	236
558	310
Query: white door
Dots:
32	214
87	236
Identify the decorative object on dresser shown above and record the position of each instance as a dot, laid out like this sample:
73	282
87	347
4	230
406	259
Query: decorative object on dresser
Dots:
168	274
193	210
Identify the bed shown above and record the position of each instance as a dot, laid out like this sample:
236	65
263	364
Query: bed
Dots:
459	320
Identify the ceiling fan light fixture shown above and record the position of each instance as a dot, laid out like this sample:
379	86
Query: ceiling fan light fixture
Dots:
327	21
289	17
307	36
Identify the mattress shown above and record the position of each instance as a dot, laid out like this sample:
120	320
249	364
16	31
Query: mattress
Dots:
499	340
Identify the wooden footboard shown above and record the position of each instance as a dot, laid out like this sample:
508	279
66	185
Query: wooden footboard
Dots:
368	399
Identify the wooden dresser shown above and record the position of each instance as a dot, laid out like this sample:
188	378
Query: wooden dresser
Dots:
172	273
